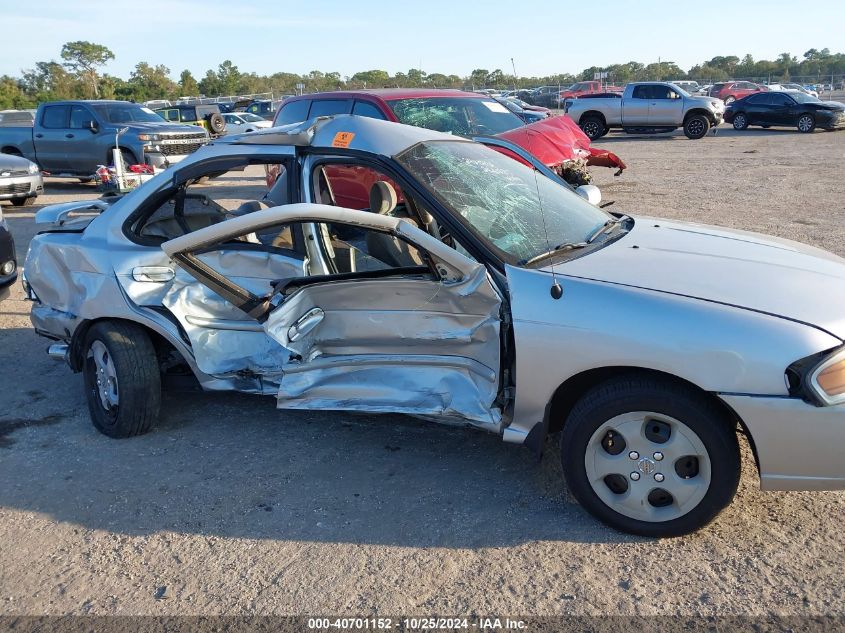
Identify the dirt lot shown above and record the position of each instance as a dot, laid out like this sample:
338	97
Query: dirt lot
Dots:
230	506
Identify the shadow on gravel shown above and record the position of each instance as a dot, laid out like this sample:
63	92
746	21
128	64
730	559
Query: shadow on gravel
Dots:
232	466
721	131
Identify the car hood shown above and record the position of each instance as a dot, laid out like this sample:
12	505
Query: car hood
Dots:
830	105
8	162
748	270
557	140
161	128
704	101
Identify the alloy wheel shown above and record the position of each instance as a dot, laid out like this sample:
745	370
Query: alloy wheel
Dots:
805	123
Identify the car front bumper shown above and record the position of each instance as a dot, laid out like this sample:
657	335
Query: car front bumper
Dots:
831	120
799	446
7	254
13	187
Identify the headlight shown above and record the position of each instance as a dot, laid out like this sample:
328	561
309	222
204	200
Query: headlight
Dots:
33	168
148	137
827	379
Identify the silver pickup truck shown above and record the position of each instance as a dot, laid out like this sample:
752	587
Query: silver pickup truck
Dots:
647	108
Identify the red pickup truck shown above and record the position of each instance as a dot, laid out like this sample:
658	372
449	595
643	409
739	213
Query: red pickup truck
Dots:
557	141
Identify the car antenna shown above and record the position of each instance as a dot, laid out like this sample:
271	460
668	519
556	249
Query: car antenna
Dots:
556	291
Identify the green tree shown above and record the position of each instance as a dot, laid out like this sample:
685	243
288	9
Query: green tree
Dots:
228	77
151	82
12	97
84	58
210	84
372	78
188	86
49	81
478	77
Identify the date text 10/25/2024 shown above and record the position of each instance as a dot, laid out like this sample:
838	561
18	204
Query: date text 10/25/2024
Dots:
421	623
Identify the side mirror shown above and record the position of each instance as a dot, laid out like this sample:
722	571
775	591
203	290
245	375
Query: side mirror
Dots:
590	193
92	125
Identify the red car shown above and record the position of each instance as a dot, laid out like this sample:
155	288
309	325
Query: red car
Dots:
730	91
585	88
564	147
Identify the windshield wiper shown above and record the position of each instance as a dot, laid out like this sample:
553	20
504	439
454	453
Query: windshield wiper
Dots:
607	226
569	246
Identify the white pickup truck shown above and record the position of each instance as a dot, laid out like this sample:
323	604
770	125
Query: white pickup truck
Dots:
647	108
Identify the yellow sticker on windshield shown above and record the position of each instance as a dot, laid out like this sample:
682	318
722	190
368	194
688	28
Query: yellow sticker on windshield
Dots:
343	139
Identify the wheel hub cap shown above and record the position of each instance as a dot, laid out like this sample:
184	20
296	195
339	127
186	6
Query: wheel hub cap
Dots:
665	464
106	376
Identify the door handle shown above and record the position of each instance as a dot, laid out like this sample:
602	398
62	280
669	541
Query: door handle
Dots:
68	135
158	274
39	135
305	324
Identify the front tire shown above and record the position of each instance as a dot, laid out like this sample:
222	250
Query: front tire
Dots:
696	126
740	121
23	202
650	457
806	123
122	379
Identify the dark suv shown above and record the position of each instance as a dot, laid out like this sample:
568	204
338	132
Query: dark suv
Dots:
206	116
266	109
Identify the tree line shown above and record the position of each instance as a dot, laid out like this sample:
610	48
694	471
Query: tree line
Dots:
78	76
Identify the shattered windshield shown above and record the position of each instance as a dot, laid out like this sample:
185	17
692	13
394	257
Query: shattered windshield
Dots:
505	202
463	116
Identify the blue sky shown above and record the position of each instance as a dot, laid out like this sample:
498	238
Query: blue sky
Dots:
449	36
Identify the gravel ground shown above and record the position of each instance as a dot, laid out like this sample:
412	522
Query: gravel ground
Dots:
232	507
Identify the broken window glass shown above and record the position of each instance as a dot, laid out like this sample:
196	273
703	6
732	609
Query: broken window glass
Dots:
509	205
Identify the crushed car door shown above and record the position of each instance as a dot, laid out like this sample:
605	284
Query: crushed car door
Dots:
420	337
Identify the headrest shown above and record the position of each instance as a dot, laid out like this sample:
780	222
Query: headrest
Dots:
383	198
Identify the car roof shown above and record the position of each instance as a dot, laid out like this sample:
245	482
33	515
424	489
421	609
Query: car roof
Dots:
389	94
93	102
354	132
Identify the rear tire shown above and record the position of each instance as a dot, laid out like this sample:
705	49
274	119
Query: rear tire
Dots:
806	123
740	121
122	379
593	127
729	100
671	456
696	126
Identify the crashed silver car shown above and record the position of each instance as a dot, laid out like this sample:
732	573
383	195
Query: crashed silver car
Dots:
396	269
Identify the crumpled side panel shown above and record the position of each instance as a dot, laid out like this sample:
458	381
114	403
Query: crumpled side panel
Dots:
61	274
225	340
419	385
409	345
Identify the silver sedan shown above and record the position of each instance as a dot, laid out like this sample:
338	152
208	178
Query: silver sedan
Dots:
394	269
20	180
